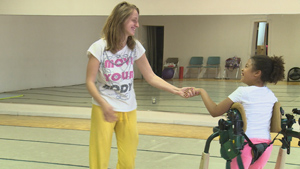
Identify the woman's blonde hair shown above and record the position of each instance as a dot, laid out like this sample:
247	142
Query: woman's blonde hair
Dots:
113	30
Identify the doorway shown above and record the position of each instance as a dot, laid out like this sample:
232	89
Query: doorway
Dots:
261	33
155	46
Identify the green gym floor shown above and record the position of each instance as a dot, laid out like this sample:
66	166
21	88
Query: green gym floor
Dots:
48	128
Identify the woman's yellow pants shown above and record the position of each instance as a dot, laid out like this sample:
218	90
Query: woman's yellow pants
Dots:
101	137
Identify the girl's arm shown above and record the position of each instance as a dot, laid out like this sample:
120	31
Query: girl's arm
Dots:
156	81
213	108
91	74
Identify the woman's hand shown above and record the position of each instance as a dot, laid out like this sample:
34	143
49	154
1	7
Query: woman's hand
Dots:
109	113
187	92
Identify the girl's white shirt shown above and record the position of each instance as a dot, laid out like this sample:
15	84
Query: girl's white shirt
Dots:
258	103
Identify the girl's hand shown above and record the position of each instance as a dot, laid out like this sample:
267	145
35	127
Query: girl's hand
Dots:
109	113
197	91
187	92
191	91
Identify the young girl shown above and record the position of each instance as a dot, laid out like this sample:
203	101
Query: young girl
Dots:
111	62
257	100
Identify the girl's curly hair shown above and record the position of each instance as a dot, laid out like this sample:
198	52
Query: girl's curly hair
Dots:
272	68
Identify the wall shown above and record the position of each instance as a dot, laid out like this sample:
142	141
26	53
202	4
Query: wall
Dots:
41	51
187	36
227	36
285	38
149	7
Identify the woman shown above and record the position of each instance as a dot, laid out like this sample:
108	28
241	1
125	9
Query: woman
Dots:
111	61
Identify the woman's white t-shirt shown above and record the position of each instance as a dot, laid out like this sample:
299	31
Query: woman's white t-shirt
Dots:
258	103
116	75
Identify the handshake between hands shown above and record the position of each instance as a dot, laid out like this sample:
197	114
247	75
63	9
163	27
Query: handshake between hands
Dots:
187	92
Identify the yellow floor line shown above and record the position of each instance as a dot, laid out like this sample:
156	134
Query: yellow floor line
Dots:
155	129
10	96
